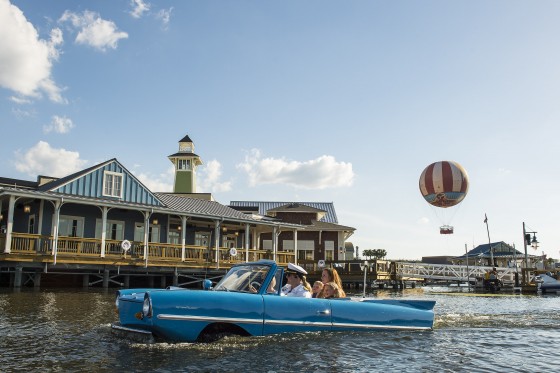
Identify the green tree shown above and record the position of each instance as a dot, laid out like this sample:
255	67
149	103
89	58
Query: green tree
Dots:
375	253
368	253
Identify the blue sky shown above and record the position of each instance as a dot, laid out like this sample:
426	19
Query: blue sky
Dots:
328	101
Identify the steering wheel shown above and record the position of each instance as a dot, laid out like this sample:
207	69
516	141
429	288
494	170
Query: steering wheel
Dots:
256	285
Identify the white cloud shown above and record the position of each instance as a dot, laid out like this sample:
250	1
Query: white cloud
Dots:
20	100
209	178
160	183
164	15
93	30
26	60
59	125
139	7
42	159
22	114
321	173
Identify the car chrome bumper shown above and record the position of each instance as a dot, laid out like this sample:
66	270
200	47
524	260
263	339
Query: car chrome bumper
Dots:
137	335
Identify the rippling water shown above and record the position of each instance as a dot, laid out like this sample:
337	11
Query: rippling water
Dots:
66	330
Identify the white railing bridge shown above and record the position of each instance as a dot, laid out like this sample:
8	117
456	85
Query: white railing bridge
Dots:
448	272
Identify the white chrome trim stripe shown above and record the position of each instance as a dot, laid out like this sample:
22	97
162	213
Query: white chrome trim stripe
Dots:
296	323
370	326
288	322
209	318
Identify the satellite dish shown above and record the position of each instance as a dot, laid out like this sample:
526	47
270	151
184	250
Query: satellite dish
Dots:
321	263
233	251
126	245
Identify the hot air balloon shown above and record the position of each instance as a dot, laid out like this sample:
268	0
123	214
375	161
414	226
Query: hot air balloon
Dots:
444	184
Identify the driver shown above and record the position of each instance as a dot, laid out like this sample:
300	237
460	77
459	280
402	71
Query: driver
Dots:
297	285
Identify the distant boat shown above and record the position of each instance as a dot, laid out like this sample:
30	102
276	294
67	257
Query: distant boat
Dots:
547	284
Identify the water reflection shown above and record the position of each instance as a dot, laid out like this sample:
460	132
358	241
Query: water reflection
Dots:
61	330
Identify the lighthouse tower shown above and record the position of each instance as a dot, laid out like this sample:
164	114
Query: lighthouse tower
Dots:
185	162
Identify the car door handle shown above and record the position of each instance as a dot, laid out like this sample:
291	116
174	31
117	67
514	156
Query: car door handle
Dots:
325	312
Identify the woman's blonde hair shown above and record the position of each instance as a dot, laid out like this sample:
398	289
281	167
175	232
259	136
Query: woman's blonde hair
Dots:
335	287
334	277
305	283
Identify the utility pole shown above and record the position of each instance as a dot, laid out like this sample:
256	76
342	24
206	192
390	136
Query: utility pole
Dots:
489	242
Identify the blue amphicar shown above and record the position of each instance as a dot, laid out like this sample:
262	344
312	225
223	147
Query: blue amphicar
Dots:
247	302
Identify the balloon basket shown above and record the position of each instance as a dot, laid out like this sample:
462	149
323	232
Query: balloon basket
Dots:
446	229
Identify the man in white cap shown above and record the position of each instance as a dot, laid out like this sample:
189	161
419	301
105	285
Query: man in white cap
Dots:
297	285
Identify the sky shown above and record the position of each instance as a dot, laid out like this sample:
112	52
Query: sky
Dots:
311	101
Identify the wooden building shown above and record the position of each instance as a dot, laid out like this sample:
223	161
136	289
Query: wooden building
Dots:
102	225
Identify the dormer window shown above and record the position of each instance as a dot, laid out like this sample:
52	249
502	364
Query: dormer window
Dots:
112	184
184	164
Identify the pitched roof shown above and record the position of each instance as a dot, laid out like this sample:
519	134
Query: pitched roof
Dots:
499	249
264	206
186	139
58	182
295	207
330	226
200	206
5	181
183	154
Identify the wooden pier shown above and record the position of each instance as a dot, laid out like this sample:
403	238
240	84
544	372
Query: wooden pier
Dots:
79	263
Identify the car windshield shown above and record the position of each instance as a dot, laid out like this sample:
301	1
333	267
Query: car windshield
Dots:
244	278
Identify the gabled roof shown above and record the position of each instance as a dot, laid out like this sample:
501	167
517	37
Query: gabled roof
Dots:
499	249
328	207
89	183
186	139
59	182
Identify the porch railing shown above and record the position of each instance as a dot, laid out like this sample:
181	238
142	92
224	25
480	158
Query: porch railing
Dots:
34	244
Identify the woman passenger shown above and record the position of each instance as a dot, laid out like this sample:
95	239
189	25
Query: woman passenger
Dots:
331	275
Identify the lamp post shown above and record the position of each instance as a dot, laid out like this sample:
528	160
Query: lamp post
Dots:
533	242
364	266
527	239
489	242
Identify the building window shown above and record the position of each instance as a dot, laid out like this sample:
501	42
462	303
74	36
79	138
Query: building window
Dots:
112	184
329	250
202	239
71	226
174	237
306	249
31	224
229	241
153	233
184	164
288	245
113	231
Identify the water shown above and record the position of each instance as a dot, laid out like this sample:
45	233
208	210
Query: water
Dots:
69	331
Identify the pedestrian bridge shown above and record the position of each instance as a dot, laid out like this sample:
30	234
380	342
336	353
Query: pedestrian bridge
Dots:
451	273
